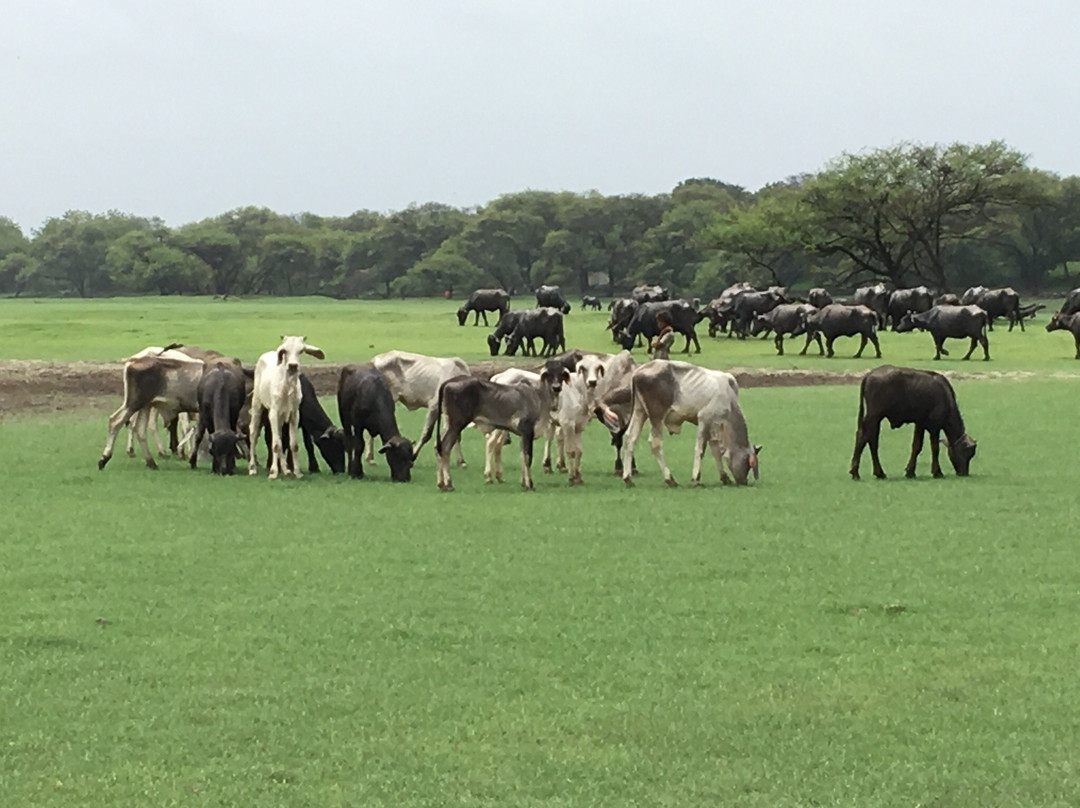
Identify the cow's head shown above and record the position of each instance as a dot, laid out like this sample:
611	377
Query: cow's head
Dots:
223	451
513	342
331	445
493	344
462	315
624	339
399	456
554	375
565	308
288	353
907	323
1059	321
961	451
742	462
591	370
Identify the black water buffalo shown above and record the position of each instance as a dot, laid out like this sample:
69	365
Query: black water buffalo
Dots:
1067	322
590	302
717	311
545	323
838	320
745	306
643	323
787	318
648	294
902	301
875	298
951	322
365	404
552	297
1072	303
622	312
504	328
907	396
818	298
221	396
947	299
481	302
996	303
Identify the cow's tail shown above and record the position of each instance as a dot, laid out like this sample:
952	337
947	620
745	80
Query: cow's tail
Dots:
433	422
862	401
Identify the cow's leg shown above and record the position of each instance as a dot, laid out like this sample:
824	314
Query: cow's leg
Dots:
828	346
442	455
549	436
860	444
916	447
359	464
877	345
493	443
131	435
971	350
200	430
560	444
526	431
985	346
700	440
656	443
278	464
484	313
697	344
294	443
152	423
862	346
1076	339
141	419
309	447
630	436
255	415
872	430
939	347
116	421
935	445
573	453
778	341
809	339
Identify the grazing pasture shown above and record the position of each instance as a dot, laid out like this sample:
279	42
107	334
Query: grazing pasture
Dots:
176	638
353	331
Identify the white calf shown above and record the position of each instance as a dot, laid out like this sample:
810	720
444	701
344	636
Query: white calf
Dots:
276	389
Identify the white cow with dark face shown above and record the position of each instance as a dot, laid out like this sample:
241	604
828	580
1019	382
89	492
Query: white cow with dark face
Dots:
276	390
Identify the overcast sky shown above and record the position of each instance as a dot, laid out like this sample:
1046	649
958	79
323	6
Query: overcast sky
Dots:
185	109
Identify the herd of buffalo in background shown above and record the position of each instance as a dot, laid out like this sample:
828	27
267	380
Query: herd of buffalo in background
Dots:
574	387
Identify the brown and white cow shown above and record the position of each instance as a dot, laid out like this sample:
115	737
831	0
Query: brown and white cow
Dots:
669	394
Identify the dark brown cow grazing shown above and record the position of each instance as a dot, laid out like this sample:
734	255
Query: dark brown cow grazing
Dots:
908	396
221	395
523	409
365	404
1067	322
482	301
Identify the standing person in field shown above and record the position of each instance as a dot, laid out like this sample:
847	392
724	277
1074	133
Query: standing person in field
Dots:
660	346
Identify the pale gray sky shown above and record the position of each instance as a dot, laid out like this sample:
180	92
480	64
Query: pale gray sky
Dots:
186	109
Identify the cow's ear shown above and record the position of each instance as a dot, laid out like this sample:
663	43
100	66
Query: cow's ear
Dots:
384	449
582	370
544	375
313	351
600	371
281	356
566	376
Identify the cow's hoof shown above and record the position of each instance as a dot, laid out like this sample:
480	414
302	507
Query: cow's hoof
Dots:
574	481
461	464
854	474
937	475
671	482
150	464
629	482
297	474
880	475
165	454
909	474
101	462
131	452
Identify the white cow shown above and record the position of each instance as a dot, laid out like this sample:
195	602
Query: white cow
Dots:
673	393
276	389
414	381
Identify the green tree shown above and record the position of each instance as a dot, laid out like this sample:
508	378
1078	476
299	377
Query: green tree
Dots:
286	265
145	261
71	250
219	250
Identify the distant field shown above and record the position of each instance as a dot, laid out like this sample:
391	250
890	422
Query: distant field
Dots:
356	330
172	638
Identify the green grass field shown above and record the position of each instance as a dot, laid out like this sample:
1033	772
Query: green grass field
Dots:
174	638
356	330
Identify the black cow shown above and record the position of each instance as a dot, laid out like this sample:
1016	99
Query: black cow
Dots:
504	328
951	322
317	430
908	396
819	298
643	323
221	396
902	301
1067	322
996	303
748	305
622	312
1072	303
545	323
365	404
838	320
552	297
481	302
590	302
648	294
788	318
947	299
875	298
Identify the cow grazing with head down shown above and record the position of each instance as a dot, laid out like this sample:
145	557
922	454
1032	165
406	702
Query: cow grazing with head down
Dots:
414	380
365	404
1067	322
533	324
681	315
221	396
951	322
669	394
838	320
317	429
482	301
908	396
523	409
276	393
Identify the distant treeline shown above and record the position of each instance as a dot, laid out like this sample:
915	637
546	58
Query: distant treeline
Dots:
947	216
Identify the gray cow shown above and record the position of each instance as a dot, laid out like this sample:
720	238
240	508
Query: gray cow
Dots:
839	320
951	322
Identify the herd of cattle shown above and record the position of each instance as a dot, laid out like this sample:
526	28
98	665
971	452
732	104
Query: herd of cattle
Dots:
235	404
